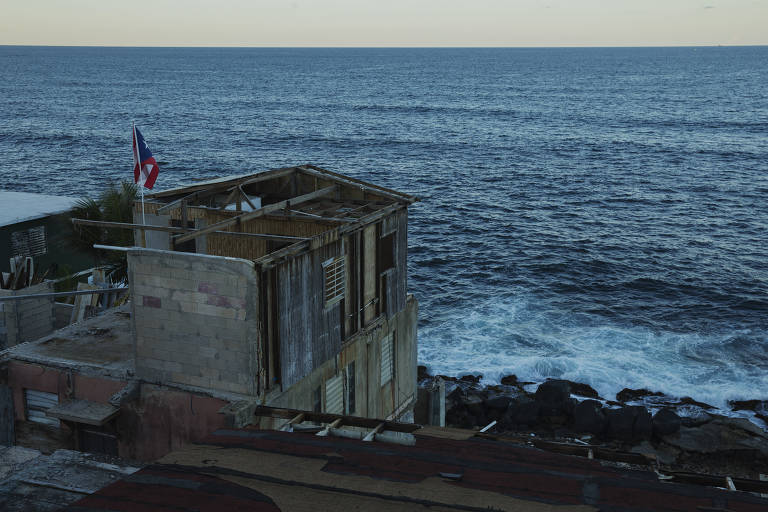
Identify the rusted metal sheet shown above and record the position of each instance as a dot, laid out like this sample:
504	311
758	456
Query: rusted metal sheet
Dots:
309	333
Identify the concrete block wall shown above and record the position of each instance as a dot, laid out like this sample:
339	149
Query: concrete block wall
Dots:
27	319
195	319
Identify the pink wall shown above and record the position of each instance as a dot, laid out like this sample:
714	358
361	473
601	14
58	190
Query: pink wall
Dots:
161	420
164	420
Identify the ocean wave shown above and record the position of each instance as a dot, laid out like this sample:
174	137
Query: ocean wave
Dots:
522	336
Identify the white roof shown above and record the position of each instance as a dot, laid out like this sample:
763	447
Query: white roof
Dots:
18	207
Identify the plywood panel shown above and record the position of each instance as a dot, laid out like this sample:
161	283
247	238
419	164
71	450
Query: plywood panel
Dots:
309	333
369	274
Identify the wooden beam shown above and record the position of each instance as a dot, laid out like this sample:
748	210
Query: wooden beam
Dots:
171	229
296	419
371	436
327	430
347	180
223	183
256	213
269	175
125	225
324	417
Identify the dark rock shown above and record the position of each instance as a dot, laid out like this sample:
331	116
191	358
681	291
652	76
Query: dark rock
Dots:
553	392
628	395
522	412
499	403
643	427
588	416
747	405
509	380
447	378
474	404
422	372
721	435
632	423
666	422
578	388
695	421
686	400
474	379
457	395
554	398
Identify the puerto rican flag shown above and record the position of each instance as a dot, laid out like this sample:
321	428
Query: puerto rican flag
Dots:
145	169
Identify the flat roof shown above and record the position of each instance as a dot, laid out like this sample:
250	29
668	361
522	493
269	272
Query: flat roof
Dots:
266	470
18	207
100	345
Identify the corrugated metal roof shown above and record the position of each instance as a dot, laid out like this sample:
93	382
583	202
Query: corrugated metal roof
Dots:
249	469
18	207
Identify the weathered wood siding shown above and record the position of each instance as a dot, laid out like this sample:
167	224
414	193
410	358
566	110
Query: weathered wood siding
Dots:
309	333
397	278
252	248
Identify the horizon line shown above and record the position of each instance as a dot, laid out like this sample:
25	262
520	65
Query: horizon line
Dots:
192	46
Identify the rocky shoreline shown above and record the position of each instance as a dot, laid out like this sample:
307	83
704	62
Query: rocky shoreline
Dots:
680	434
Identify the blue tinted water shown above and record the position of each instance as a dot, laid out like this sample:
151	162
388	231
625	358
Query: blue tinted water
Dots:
593	214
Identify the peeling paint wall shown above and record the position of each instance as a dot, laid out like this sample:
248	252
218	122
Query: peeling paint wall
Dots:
159	421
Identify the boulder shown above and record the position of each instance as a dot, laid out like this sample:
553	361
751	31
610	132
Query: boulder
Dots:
666	422
499	403
632	423
749	405
585	390
523	411
686	400
629	395
509	380
422	373
554	397
472	379
721	434
588	416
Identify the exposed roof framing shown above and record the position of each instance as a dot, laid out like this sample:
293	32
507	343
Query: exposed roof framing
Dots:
172	229
266	210
220	184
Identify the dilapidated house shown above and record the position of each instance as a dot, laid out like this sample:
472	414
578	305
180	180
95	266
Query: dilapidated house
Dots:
289	285
286	288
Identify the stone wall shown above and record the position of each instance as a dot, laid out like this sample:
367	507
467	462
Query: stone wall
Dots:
195	319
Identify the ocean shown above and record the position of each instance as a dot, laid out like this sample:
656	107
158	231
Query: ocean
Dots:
594	214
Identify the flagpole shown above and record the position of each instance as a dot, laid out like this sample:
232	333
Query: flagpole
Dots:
137	156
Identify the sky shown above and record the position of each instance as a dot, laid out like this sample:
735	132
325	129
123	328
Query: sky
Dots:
383	22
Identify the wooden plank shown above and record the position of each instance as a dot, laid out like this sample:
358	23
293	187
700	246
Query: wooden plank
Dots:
369	274
172	229
84	411
257	213
223	183
324	417
348	180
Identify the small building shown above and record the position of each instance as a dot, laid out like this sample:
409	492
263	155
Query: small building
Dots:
286	288
34	230
37	225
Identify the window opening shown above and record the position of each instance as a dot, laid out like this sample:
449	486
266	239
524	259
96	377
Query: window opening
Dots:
333	280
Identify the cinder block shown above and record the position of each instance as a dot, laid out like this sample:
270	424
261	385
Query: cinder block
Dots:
207	352
205	309
171	366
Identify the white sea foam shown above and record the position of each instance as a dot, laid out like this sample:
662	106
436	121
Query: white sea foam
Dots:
515	336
